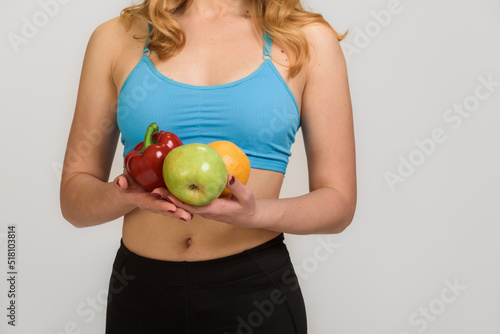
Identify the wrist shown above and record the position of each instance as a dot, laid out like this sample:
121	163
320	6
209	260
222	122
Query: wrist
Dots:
260	217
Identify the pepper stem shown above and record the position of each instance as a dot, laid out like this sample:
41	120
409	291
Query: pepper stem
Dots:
148	138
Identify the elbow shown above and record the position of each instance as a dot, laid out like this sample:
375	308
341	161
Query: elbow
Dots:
66	213
69	214
350	217
77	218
339	228
340	225
66	204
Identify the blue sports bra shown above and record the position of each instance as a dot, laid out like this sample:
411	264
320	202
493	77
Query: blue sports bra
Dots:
258	112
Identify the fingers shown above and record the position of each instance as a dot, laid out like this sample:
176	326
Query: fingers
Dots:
180	212
241	202
167	208
154	202
187	210
161	192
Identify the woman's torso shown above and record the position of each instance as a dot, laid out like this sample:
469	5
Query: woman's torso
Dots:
231	50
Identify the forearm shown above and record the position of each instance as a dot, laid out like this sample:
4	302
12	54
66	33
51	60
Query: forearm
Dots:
88	201
322	211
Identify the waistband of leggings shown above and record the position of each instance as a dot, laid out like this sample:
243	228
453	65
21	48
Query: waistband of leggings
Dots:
268	256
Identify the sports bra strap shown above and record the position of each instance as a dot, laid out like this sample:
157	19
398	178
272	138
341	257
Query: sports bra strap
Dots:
268	46
146	51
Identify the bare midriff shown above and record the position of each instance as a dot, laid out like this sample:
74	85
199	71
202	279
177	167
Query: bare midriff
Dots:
164	238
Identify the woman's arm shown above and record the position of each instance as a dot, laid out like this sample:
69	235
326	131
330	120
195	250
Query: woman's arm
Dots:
327	127
86	196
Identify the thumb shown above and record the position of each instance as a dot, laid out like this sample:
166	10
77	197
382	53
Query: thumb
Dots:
238	189
121	182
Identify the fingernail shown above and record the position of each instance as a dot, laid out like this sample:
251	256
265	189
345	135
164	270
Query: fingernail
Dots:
156	195
184	219
168	200
171	211
231	180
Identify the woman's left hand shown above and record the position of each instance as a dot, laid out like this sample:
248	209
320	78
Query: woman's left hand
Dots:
239	208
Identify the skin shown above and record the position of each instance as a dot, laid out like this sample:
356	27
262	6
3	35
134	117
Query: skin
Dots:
157	225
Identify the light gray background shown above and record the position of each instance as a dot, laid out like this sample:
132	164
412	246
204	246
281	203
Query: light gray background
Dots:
390	271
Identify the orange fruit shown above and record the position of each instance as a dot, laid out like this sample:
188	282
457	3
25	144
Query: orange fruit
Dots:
236	161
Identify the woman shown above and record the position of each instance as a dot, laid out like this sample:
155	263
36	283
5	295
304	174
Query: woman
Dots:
247	71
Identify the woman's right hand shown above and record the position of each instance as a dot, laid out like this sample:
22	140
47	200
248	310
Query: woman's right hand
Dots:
145	200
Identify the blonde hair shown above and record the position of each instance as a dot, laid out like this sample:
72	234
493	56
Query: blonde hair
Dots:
281	19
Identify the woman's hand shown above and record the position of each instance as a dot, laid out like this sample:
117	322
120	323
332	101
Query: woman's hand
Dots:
150	201
240	208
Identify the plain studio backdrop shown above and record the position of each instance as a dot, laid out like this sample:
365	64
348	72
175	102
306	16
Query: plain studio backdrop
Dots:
423	252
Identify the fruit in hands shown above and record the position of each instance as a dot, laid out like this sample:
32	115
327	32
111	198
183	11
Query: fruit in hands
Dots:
145	162
195	173
235	159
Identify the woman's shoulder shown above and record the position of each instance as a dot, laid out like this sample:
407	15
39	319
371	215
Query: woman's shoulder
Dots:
118	27
111	37
320	34
323	44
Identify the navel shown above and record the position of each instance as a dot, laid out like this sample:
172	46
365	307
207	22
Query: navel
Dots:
188	242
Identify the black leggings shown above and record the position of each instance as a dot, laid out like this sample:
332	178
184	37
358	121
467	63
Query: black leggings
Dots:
252	292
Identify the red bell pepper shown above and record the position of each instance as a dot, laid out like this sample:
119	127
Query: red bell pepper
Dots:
145	162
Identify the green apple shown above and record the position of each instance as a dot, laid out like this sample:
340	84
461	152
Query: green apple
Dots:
195	173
